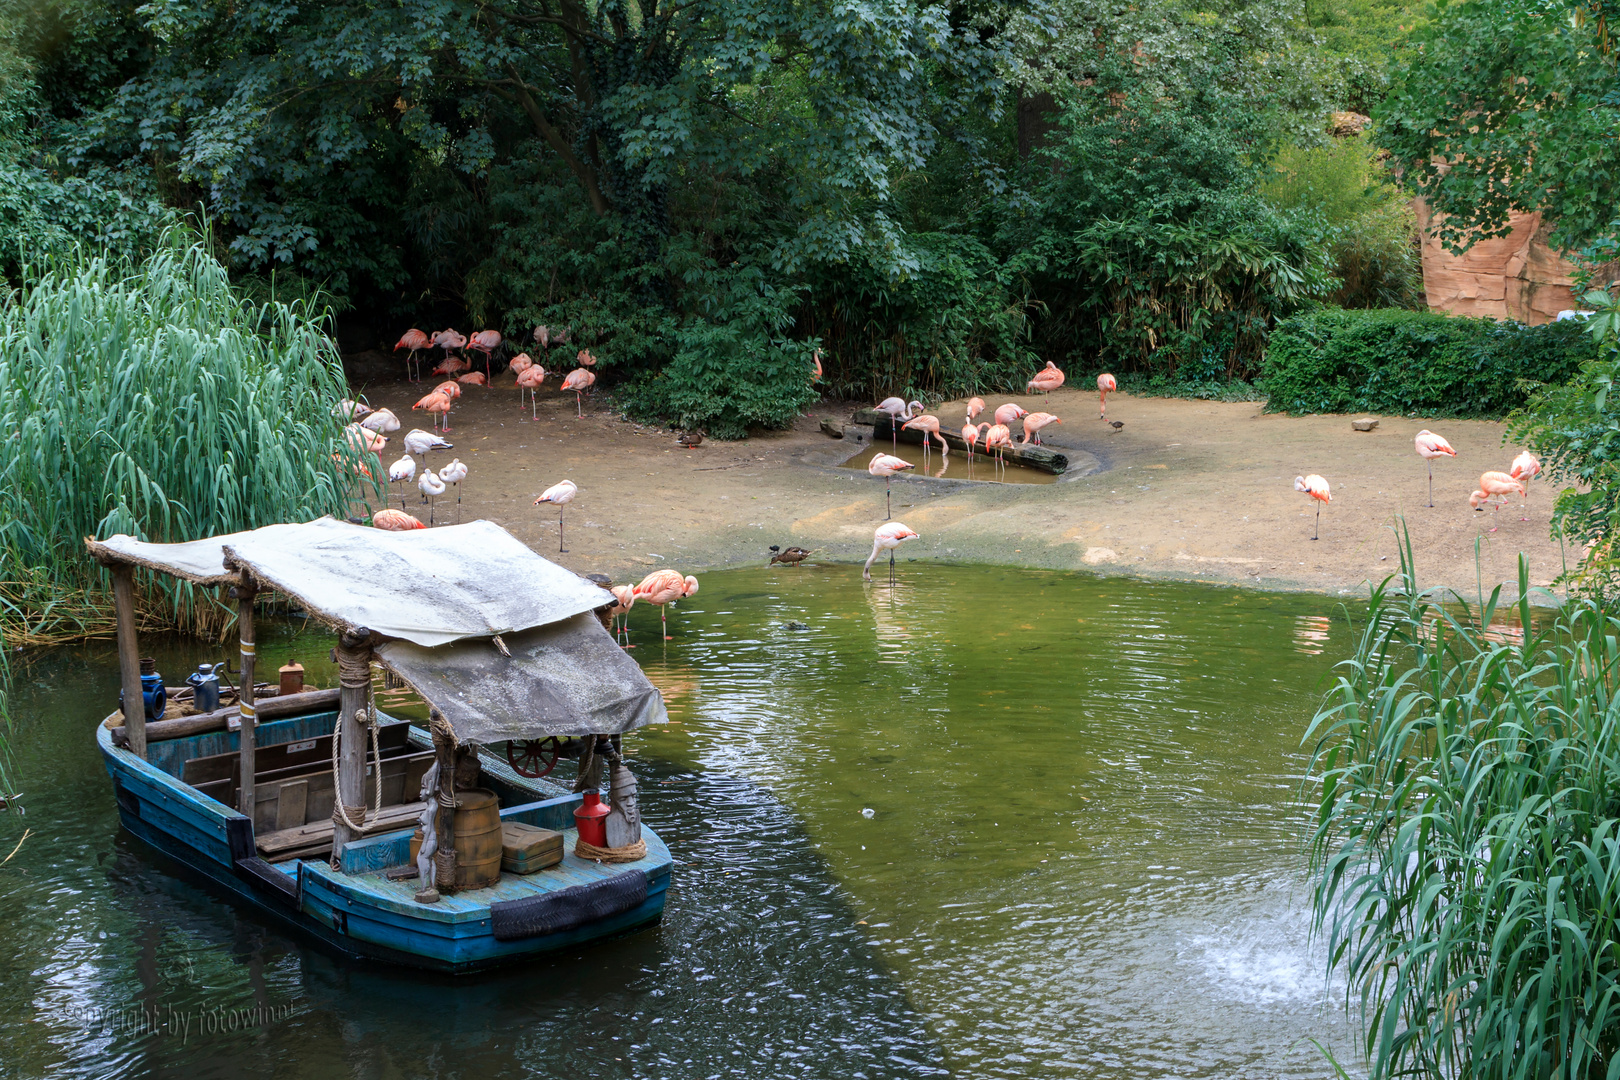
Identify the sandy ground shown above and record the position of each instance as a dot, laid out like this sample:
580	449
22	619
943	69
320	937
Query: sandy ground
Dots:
1186	490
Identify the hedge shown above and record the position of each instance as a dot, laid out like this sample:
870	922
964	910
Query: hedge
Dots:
1414	362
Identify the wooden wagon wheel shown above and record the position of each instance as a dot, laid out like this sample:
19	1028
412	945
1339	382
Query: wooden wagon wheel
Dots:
533	758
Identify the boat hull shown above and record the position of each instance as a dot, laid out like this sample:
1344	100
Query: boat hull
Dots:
360	914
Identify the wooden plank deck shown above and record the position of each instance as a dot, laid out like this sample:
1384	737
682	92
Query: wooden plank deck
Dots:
399	897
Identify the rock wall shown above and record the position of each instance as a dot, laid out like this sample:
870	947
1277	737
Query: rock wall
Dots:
1517	276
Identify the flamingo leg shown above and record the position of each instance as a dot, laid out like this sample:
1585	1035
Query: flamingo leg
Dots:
458	504
579	408
663	613
888	505
559	532
1430	463
891	566
1318	522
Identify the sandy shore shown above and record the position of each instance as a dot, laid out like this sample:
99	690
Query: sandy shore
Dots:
1186	490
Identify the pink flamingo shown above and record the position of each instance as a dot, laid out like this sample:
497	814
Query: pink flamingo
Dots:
364	440
1430	446
560	495
665	587
975	406
579	380
998	437
438	404
626	597
542	336
449	339
886	538
1047	379
815	361
415	341
486	342
970	435
1525	467
585	358
473	378
450	389
391	520
1492	484
928	425
529	380
898	409
1317	488
1105	386
1034	422
520	363
451	366
1009	412
886	466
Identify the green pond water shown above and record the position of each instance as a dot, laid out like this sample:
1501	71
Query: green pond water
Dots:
1081	859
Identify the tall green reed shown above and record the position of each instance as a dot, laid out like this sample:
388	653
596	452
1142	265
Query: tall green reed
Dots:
1466	845
153	400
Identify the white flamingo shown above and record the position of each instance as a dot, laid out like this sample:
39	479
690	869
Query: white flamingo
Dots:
402	471
431	487
887	538
454	473
560	494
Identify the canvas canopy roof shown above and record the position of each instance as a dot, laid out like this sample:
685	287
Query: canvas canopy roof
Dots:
427	586
440	596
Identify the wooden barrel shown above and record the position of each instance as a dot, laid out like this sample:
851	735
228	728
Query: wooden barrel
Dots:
478	839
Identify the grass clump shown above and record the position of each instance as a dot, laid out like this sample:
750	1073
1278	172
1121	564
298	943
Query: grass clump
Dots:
152	400
1466	846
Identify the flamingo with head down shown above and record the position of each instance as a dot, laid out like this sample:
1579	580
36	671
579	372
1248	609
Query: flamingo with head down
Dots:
928	425
1317	488
1034	422
887	538
1106	384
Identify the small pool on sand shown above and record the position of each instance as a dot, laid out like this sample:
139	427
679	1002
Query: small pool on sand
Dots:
955	467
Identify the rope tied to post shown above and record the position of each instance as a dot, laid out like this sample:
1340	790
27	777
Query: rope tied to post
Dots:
354	671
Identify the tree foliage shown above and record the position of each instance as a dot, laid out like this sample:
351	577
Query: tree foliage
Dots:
1511	106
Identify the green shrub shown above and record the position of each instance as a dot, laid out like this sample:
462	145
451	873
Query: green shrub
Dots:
1414	362
733	369
1466	845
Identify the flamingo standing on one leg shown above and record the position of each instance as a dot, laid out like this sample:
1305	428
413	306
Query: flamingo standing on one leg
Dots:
431	487
929	425
560	495
402	471
898	409
665	587
886	538
419	442
1492	484
415	341
1106	385
1317	488
620	613
886	466
529	380
486	342
1046	380
1525	467
579	380
1034	422
1430	446
453	474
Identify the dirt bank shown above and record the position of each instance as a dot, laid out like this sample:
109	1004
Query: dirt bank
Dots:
1186	490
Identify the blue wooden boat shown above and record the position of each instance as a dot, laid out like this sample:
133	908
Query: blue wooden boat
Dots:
504	646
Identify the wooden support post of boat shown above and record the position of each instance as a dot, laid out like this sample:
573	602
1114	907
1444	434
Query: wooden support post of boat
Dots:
444	751
129	657
244	591
354	722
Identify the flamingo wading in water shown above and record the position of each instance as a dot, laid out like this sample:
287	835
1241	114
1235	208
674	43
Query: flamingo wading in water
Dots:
928	425
886	465
620	612
1317	488
886	538
898	409
560	495
1430	446
665	587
